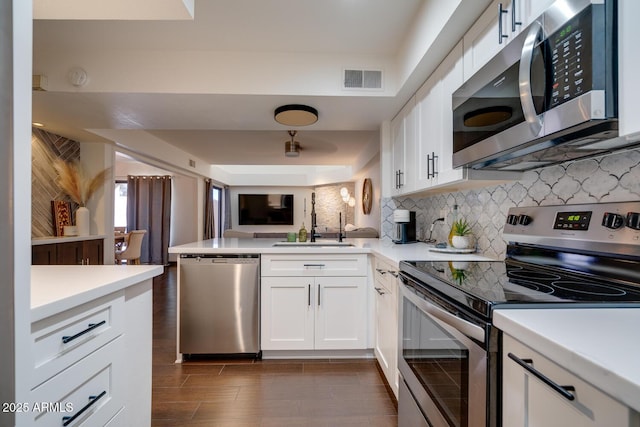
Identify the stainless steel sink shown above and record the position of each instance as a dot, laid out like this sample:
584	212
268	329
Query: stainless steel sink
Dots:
320	244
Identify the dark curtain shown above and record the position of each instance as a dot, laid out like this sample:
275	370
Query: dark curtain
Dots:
227	208
149	208
209	211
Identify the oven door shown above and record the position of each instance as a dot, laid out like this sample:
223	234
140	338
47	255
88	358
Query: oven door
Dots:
441	360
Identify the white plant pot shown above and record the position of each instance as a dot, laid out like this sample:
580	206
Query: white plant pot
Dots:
460	242
82	221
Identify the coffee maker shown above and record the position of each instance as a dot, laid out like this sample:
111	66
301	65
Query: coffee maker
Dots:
405	226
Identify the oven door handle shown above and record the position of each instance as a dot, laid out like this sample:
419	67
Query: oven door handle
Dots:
467	328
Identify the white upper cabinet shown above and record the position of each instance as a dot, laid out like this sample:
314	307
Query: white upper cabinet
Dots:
490	33
434	152
433	155
403	136
500	23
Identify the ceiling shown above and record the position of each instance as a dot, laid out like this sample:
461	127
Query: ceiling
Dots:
157	76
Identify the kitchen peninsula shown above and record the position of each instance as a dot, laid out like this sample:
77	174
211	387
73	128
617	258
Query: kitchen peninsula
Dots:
317	299
91	334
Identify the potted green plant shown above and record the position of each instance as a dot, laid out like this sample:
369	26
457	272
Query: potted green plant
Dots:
461	230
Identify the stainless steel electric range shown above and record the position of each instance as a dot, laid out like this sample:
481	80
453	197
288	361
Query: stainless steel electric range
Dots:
557	256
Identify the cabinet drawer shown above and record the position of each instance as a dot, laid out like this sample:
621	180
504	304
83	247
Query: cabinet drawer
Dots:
528	400
92	390
324	265
385	274
61	340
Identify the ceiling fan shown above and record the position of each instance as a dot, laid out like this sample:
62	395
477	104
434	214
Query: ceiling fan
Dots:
292	148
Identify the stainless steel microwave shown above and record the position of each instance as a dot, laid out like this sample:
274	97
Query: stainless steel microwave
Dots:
549	96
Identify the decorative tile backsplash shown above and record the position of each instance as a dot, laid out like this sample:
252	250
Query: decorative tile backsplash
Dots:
611	178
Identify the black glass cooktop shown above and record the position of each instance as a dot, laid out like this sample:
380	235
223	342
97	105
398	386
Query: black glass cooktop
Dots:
483	285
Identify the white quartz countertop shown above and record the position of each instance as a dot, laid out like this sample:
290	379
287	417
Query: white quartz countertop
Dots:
56	288
392	252
599	345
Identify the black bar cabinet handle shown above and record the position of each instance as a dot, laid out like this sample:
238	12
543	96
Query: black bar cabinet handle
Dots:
91	327
379	290
433	165
513	17
318	295
92	399
309	295
501	11
562	389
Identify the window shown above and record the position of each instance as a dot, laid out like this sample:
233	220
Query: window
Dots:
120	205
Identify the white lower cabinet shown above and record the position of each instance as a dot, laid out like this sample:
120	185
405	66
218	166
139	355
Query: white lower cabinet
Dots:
88	393
314	303
313	313
386	315
92	363
530	401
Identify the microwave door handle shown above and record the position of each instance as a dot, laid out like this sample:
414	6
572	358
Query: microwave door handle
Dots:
524	77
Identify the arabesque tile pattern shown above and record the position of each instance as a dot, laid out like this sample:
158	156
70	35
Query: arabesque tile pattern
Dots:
611	178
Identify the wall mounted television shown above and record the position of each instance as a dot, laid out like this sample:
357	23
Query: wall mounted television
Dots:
265	209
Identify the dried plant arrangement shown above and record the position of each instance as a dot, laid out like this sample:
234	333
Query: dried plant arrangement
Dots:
73	181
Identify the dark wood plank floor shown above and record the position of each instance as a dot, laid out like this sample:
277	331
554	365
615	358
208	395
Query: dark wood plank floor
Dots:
234	393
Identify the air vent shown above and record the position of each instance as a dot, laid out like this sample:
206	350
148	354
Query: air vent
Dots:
362	79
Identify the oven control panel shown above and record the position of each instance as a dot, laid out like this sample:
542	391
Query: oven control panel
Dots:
572	220
612	227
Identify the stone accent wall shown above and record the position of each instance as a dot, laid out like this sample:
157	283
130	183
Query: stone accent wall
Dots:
329	203
611	178
45	148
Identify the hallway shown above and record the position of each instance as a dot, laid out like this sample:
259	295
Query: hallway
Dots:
258	393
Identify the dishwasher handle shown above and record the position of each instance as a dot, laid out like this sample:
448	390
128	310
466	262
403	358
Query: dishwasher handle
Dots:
219	259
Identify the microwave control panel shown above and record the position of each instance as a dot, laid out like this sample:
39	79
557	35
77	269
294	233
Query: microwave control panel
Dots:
570	56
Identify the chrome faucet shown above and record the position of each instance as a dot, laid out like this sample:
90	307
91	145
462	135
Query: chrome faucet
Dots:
431	239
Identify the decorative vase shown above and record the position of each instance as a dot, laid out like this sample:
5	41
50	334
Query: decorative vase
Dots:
460	242
82	221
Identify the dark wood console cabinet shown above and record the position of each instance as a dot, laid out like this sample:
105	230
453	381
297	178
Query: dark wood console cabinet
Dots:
82	252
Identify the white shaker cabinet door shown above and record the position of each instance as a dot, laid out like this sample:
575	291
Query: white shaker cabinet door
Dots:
482	41
341	317
287	313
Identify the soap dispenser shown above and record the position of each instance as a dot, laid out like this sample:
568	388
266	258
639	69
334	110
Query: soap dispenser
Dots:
302	234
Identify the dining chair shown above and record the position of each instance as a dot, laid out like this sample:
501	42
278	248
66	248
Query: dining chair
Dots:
131	253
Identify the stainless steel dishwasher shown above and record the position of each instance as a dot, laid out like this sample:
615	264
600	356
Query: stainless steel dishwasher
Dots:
219	304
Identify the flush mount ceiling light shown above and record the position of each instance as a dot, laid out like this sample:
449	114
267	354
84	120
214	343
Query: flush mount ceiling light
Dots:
296	115
292	148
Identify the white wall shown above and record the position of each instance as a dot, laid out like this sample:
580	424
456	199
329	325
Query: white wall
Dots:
184	213
96	157
300	194
372	171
